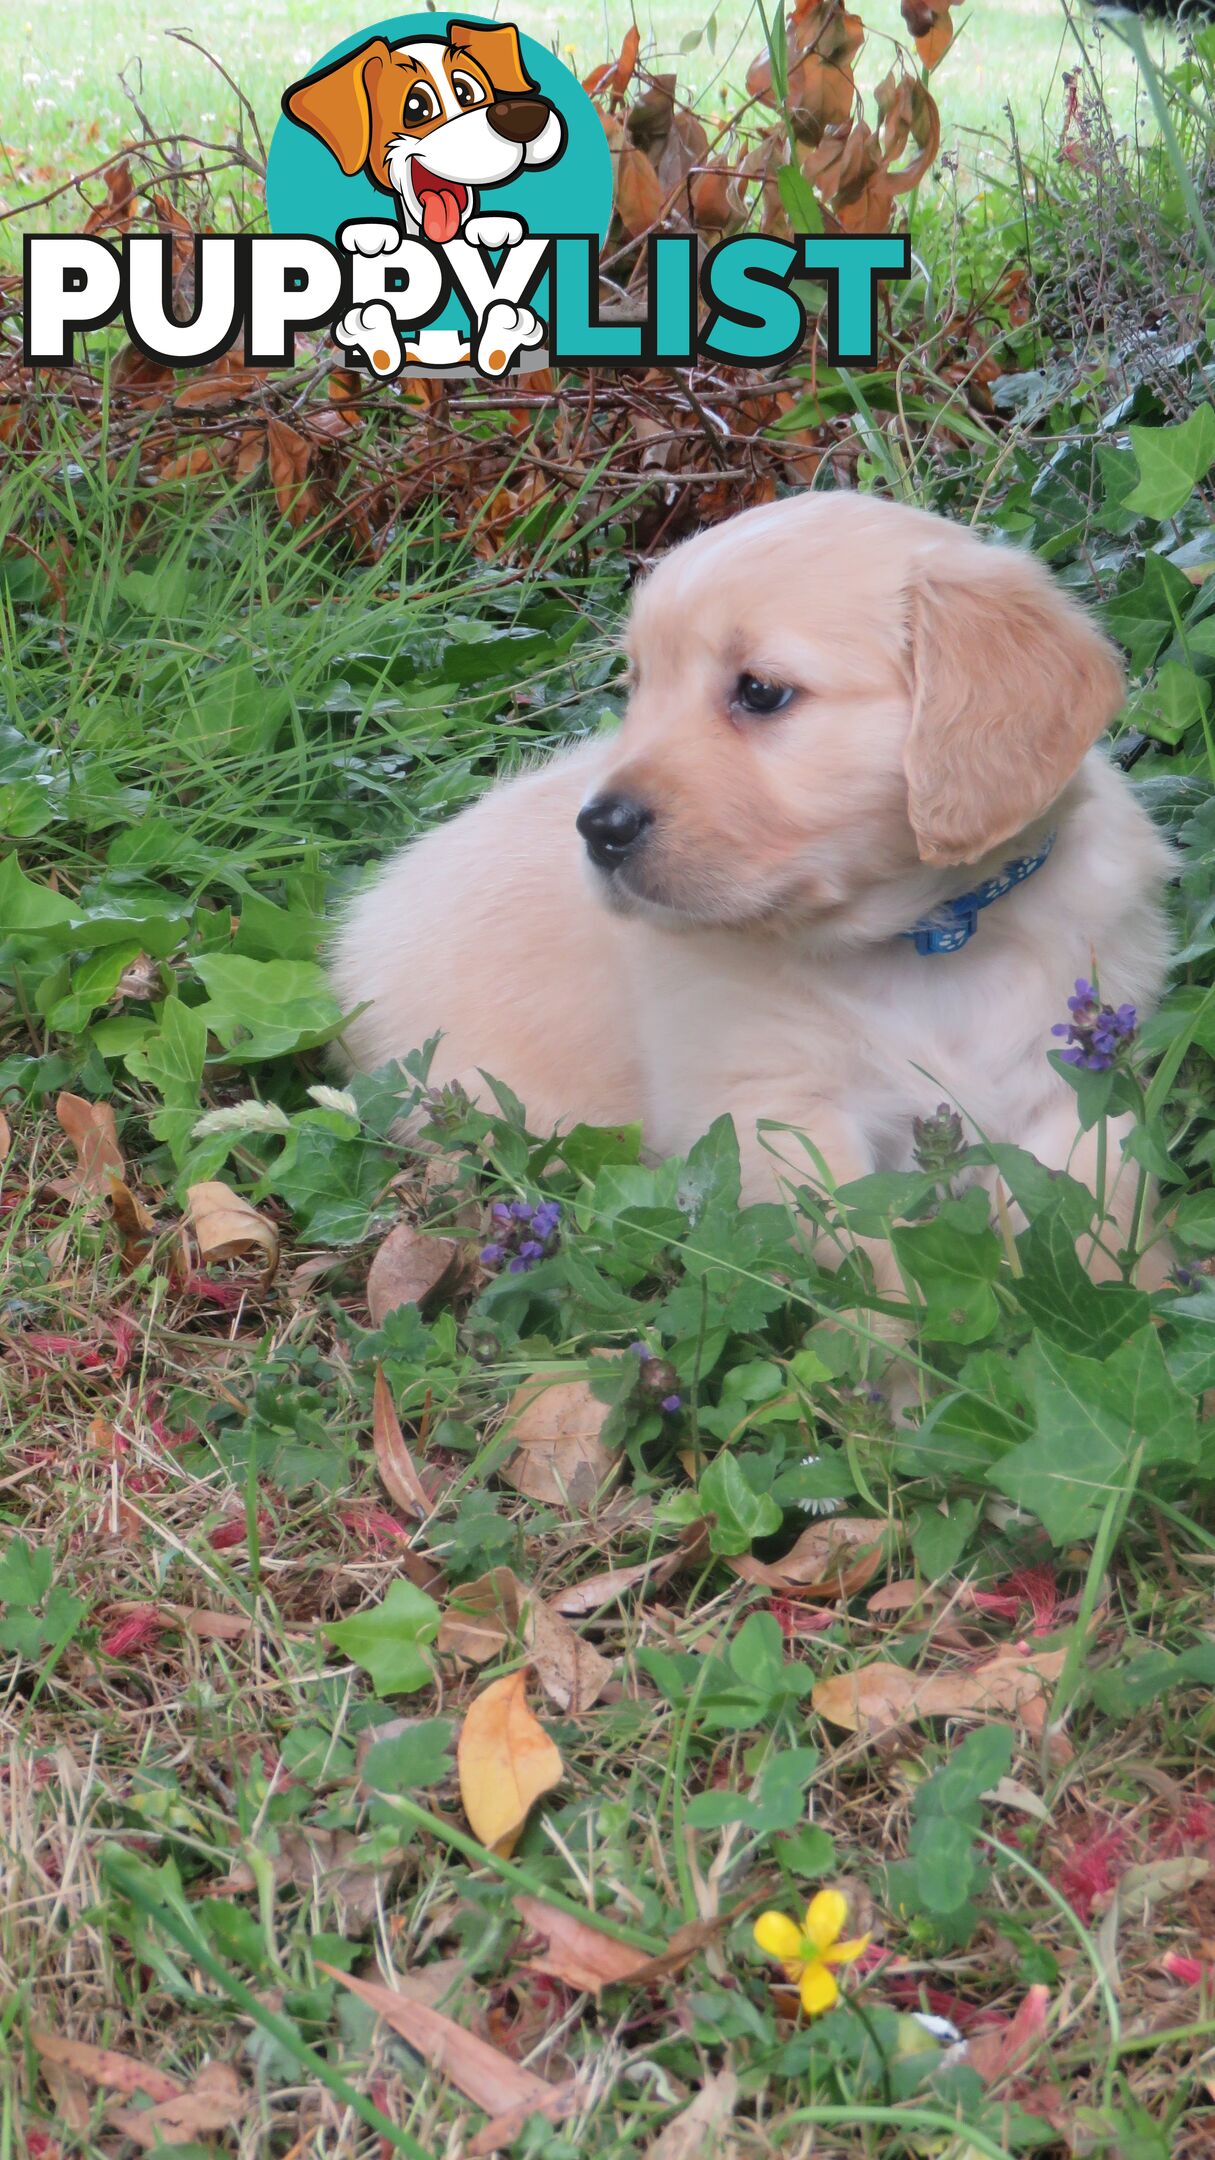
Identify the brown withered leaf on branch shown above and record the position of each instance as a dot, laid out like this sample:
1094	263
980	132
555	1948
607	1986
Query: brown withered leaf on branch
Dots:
931	25
823	42
289	454
878	1696
132	370
398	1473
230	386
648	123
410	1268
228	1228
486	1615
623	73
116	212
639	195
506	1762
487	2077
6	1136
831	1560
560	1459
171	222
93	1134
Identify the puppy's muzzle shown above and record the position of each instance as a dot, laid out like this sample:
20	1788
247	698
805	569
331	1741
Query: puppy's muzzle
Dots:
612	826
519	119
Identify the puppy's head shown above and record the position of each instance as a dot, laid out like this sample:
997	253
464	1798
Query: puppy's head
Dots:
828	692
432	118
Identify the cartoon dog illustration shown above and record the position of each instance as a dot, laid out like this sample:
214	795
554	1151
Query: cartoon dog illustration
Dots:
432	121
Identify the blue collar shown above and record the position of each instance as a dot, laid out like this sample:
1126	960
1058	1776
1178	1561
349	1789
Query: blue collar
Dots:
954	923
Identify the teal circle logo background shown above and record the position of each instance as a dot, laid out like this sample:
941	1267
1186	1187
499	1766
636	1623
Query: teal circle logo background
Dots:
307	191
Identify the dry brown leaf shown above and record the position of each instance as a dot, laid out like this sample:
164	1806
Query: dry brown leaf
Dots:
91	1129
598	1590
289	453
881	1695
485	1615
832	1559
577	1953
506	1761
196	1620
132	1220
6	1136
700	2130
398	1475
107	2066
623	75
228	388
410	1267
639	192
583	1957
214	2100
227	1227
482	2073
560	1459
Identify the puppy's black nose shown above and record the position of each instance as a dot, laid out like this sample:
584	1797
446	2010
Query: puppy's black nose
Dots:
611	825
518	119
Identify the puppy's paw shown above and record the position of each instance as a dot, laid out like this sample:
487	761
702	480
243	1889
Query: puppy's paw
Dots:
495	230
371	333
370	236
505	331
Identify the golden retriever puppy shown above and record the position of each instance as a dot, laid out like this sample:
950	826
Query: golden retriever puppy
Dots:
847	856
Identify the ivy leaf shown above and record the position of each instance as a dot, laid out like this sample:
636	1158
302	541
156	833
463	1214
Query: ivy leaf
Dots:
1091	1418
388	1641
171	1060
954	1259
25	1573
1145	618
1177	701
408	1761
265	1008
1172	461
1060	1297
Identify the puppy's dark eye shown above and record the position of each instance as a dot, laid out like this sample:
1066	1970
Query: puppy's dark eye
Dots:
755	694
420	105
468	92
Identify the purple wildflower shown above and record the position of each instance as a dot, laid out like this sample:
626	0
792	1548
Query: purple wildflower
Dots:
492	1255
641	1351
672	1403
501	1212
531	1249
519	1266
545	1218
520	1211
1095	1033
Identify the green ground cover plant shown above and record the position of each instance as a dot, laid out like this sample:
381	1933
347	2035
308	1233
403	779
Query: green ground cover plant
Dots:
490	1565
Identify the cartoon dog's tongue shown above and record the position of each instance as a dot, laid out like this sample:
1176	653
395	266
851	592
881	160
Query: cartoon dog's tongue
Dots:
440	214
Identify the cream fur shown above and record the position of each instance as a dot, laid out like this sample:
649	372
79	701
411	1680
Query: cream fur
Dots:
749	961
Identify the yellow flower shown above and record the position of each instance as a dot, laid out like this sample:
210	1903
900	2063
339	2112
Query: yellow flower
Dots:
808	1952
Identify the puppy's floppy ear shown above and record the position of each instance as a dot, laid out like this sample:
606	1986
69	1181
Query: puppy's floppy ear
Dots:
1011	685
335	105
495	49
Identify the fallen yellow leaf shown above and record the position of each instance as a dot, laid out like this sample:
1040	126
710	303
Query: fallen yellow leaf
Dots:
506	1761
